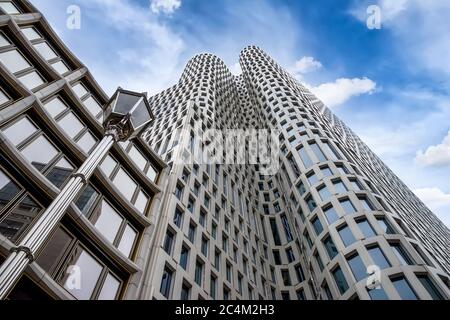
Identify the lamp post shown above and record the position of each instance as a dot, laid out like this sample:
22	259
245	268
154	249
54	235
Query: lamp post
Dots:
126	114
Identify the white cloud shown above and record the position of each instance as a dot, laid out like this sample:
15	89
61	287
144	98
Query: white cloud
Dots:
438	155
342	89
437	200
235	69
165	6
305	65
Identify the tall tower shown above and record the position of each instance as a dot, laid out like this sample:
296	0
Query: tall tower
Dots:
333	223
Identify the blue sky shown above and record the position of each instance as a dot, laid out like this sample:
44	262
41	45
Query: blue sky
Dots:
390	85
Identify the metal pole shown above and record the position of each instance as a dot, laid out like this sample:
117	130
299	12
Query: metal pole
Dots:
11	270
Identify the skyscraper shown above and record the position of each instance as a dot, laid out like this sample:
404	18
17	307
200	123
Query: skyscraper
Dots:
323	219
331	215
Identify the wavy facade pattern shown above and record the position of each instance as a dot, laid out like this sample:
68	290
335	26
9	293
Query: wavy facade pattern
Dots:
333	212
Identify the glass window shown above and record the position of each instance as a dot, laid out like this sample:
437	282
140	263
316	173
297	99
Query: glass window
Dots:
9	7
87	142
54	250
347	205
305	158
141	202
377	294
346	235
60	172
198	273
14	61
87	199
93	106
19	219
32	80
378	257
318	152
71	125
330	247
184	257
31	33
152	173
108	165
317	225
3	41
91	270
366	204
430	287
168	242
341	283
326	171
311	203
365	228
3	97
404	289
385	225
185	292
137	157
125	184
80	90
55	107
401	254
178	217
355	184
339	186
357	266
8	190
286	277
19	131
127	241
166	282
301	188
40	152
213	288
331	151
324	193
108	221
44	49
60	67
110	288
331	215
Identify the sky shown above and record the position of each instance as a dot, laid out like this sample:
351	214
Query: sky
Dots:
383	70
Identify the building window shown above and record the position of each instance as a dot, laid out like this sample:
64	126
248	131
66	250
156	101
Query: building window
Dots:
331	215
318	228
318	152
311	203
276	257
204	246
290	255
301	295
166	282
168	242
217	260
377	294
184	257
365	228
385	225
300	273
179	191
401	254
346	235
191	234
339	186
378	257
287	228
330	247
339	278
178	218
213	287
199	266
286	277
324	193
347	205
430	287
9	7
305	158
229	273
357	266
404	288
301	188
3	97
185	292
276	235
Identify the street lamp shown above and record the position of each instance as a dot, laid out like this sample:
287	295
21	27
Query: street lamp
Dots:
126	114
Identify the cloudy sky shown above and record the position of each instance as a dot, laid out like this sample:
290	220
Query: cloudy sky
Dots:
390	85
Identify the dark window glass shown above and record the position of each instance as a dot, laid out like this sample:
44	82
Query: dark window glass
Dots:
404	289
341	283
286	277
276	257
401	254
166	282
300	273
198	273
185	292
330	247
86	200
377	294
276	235
317	225
385	225
430	287
184	257
178	218
8	190
168	242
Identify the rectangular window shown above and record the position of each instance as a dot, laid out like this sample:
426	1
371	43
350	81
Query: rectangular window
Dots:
9	7
365	228
125	184
318	152
318	228
346	235
339	186
311	203
301	188
300	273
32	80
276	235
347	205
217	260
178	218
191	234
404	289
184	257
401	254
168	242
378	257
385	225
330	247
305	158
430	287
185	292
339	278
324	193
287	228
357	266
166	282
290	255
366	204
331	151
286	277
331	215
3	97
14	61
199	273
377	294
204	247
213	287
